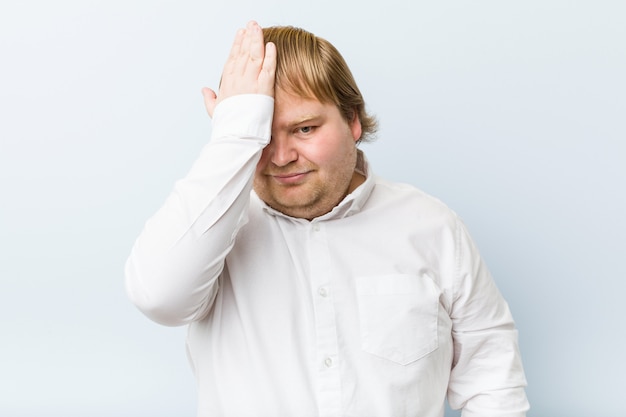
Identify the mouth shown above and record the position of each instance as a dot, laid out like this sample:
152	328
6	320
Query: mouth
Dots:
290	178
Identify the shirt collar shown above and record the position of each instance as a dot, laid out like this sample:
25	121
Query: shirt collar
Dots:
351	204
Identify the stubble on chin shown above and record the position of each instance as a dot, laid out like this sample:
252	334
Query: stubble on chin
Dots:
293	200
316	196
305	201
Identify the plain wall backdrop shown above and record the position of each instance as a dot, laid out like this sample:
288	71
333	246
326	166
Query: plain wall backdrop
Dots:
513	113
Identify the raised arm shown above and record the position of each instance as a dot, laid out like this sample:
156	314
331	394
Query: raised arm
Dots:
172	271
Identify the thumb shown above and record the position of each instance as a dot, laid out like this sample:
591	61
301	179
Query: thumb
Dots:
210	100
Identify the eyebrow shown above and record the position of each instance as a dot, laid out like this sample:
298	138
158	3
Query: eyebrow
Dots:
303	119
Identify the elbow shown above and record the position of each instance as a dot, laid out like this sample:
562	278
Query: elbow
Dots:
160	303
157	308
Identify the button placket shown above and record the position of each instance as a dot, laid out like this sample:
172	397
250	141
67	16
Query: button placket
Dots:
329	384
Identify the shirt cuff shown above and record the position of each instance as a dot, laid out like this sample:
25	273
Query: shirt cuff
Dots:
244	116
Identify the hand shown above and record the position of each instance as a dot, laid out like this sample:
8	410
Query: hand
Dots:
250	68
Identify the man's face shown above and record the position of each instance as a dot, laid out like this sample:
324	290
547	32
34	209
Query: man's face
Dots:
308	166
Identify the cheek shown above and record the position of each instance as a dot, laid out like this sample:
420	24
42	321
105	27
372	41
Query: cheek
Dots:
263	161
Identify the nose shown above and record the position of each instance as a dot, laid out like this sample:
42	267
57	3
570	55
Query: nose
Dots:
282	150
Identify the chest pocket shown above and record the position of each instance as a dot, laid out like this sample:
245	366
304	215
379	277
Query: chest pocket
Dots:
398	316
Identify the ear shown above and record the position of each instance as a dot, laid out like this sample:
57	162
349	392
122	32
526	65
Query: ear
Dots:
355	127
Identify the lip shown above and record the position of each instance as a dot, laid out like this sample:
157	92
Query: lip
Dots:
290	179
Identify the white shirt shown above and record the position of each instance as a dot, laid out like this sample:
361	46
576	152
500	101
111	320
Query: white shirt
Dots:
379	308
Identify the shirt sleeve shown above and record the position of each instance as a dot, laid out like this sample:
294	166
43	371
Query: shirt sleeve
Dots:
172	270
487	378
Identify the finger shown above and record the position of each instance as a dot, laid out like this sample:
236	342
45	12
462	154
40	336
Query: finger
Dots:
235	52
244	52
257	46
267	75
256	51
210	100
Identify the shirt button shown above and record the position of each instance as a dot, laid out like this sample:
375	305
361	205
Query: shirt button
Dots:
316	227
323	292
328	362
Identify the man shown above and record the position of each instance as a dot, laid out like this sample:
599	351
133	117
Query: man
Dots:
310	286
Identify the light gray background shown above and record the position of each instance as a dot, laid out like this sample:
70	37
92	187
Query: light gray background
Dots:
511	112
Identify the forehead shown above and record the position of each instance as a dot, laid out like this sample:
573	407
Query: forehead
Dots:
290	108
